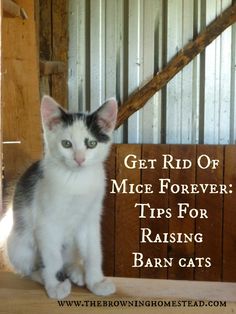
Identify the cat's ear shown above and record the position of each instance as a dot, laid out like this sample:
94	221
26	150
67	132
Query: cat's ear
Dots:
107	115
51	112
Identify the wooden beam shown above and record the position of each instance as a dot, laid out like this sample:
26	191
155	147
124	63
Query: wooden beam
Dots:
185	56
51	67
1	71
12	9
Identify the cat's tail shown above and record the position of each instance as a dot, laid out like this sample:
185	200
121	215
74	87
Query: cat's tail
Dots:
21	252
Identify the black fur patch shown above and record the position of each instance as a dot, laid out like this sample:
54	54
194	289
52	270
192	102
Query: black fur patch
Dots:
90	121
61	276
95	129
25	187
69	118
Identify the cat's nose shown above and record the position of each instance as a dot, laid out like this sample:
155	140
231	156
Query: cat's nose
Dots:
79	158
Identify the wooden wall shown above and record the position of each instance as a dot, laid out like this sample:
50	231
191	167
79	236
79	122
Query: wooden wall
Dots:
121	222
53	48
0	103
44	35
20	104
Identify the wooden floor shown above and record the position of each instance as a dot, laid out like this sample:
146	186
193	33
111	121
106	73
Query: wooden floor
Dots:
22	296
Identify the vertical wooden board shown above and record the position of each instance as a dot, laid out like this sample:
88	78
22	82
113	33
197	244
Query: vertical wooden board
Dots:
156	200
211	228
20	91
186	224
45	39
45	42
1	165
108	218
60	49
229	228
127	220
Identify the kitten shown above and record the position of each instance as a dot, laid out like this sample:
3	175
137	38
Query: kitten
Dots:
57	204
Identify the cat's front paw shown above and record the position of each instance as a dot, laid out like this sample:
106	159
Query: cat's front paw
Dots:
60	291
77	277
103	288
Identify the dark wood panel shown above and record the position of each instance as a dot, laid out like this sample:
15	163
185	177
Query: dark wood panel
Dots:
211	227
229	230
53	46
60	49
156	200
108	218
218	230
186	224
127	221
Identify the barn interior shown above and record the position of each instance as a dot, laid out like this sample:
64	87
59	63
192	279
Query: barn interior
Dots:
172	67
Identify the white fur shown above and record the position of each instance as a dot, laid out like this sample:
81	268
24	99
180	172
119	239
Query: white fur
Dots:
63	221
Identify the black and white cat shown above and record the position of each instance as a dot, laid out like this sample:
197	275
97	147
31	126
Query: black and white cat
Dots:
58	202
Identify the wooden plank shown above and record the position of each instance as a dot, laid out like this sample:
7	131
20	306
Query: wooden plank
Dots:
21	295
60	49
1	85
12	9
45	10
108	218
51	67
186	224
20	92
211	228
156	200
45	42
229	229
127	221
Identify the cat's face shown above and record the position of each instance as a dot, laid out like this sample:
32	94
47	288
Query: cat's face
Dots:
78	140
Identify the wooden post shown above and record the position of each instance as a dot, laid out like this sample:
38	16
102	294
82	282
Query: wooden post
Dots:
52	67
12	9
185	56
1	209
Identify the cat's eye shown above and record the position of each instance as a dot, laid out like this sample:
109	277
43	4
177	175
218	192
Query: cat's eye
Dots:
66	144
90	143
